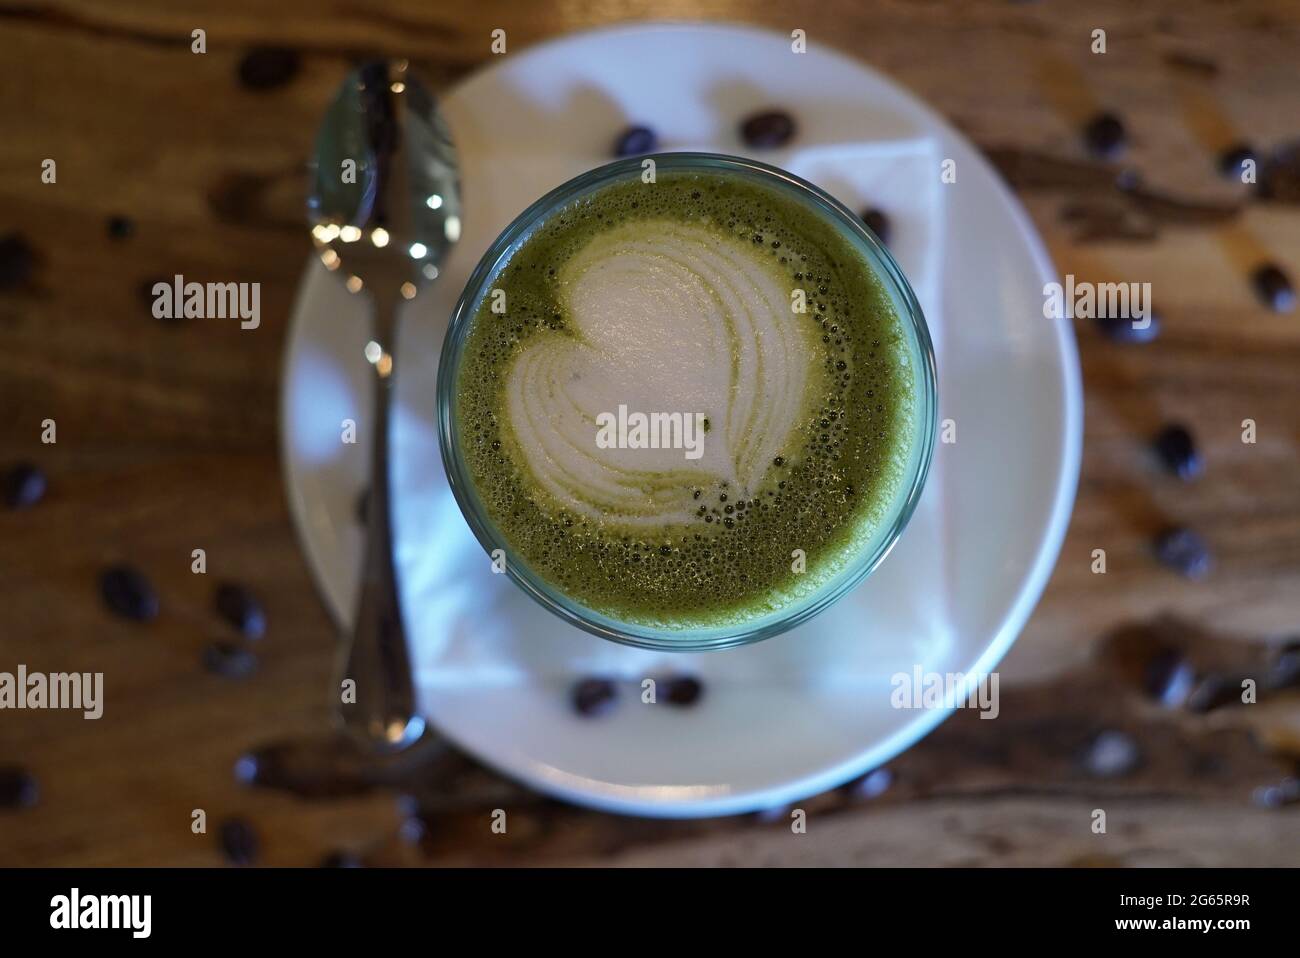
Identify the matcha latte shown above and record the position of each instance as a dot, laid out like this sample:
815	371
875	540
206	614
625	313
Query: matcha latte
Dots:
688	405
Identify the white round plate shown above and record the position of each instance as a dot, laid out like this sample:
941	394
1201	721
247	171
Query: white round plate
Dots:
807	710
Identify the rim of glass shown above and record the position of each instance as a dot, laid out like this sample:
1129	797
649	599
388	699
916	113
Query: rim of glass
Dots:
635	634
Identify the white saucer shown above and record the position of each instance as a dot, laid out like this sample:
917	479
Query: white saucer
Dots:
810	709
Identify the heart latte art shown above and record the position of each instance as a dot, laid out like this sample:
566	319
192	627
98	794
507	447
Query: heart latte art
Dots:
668	317
686	403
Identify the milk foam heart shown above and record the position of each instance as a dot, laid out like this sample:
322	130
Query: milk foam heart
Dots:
663	317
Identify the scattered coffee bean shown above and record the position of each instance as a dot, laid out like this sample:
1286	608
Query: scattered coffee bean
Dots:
681	690
878	222
872	785
120	227
1214	692
417	821
1284	672
1177	450
128	593
1169	678
238	841
17	261
767	129
1126	329
229	660
341	859
1104	135
266	68
18	787
24	485
1234	158
1279	173
414	828
1274	288
1285	792
592	697
1112	754
635	141
248	769
238	606
1185	552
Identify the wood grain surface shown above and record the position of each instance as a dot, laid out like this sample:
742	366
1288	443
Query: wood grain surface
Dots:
167	442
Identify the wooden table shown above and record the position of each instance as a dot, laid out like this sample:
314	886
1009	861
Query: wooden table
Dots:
167	438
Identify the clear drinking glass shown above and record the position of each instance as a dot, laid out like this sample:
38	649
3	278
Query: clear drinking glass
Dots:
924	424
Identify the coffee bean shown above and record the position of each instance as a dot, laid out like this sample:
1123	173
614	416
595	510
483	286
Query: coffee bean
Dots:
767	129
1285	792
682	690
417	820
238	606
120	227
1185	552
1121	328
341	859
872	785
229	660
128	593
414	828
1104	135
1177	450
1274	288
1234	158
635	141
249	768
1279	173
18	787
24	485
266	68
1112	754
1214	692
878	222
1284	672
592	697
17	261
238	841
1168	678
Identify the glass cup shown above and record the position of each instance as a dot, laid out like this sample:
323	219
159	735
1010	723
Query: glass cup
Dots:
873	551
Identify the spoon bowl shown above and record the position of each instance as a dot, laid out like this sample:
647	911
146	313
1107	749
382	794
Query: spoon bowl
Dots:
384	203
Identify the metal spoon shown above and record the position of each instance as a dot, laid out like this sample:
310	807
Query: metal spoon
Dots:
384	210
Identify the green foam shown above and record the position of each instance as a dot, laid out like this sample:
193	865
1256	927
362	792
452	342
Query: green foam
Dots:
839	478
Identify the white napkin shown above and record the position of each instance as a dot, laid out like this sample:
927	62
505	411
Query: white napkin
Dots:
470	627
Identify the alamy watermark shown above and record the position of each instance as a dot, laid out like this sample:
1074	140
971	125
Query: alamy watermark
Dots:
919	689
656	430
181	300
1074	300
83	691
74	910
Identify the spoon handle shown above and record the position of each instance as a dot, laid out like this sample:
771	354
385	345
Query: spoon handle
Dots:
376	656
